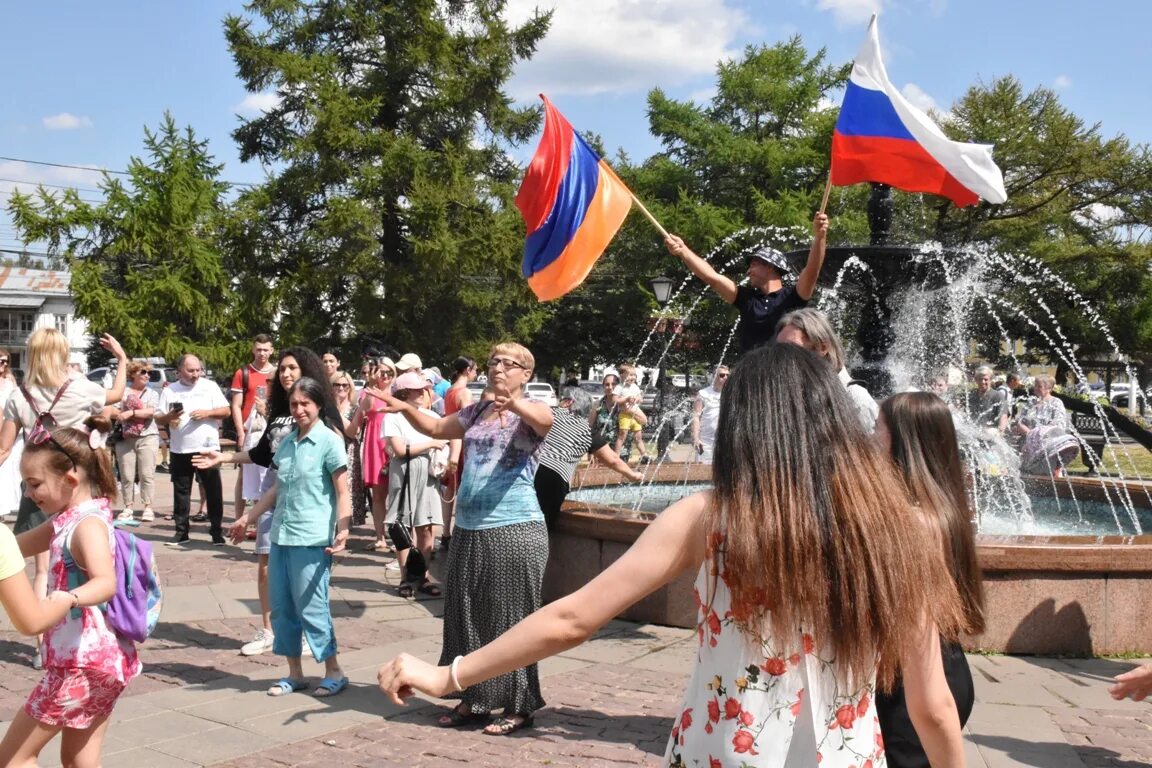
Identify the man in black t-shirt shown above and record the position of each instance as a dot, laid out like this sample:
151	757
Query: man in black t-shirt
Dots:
765	299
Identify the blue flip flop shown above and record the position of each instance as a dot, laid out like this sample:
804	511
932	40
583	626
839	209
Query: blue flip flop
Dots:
330	687
287	685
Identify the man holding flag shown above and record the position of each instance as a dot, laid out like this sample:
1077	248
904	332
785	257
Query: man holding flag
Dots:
765	299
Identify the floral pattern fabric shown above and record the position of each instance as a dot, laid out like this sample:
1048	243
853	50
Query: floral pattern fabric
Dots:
768	701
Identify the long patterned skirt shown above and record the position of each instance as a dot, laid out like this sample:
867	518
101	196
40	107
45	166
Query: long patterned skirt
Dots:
494	580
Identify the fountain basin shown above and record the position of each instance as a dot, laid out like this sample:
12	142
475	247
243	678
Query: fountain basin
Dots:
1060	595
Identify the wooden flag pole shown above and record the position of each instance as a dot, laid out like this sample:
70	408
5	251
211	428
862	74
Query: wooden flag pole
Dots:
827	192
650	217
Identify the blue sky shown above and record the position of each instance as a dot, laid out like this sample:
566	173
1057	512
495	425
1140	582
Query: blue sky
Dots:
82	79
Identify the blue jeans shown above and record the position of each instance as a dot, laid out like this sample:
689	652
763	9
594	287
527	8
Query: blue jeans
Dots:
298	593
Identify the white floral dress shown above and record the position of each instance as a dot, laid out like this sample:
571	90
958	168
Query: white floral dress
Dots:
768	704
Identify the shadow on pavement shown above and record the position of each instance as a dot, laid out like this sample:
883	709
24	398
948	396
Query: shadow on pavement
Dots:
1042	754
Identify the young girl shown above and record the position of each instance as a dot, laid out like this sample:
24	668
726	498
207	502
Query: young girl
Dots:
631	419
310	524
87	665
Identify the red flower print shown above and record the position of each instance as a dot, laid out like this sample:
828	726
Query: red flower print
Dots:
713	622
708	728
879	742
714	710
867	764
686	719
809	643
846	715
774	666
799	700
731	709
794	659
862	707
745	718
743	741
714	763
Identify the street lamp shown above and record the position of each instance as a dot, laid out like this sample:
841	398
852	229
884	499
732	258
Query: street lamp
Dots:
662	288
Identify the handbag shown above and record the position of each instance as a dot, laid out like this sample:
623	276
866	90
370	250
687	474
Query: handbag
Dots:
438	462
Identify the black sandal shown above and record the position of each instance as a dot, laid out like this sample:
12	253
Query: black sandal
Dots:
457	719
505	725
406	590
431	588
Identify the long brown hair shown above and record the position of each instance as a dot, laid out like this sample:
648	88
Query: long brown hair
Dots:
818	534
925	450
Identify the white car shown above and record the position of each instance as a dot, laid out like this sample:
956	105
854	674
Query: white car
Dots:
538	390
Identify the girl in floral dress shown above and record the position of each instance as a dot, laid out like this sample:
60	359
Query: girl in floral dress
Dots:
68	473
816	585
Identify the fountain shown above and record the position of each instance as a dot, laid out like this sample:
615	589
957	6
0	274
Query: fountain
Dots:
1066	561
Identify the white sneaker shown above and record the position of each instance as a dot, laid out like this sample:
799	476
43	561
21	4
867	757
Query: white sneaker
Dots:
126	515
260	643
147	515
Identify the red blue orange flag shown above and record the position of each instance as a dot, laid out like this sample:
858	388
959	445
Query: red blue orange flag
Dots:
572	204
880	136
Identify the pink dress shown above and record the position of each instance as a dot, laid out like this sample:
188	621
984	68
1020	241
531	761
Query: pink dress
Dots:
86	664
770	701
375	460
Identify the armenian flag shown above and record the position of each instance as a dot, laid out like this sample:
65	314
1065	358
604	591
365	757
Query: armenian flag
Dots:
572	204
881	137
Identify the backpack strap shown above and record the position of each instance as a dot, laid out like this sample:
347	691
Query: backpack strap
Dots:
75	575
32	403
244	382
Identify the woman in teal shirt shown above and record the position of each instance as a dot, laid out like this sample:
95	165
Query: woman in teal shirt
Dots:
313	511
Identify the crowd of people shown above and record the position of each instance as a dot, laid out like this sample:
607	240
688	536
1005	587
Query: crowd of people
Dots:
834	554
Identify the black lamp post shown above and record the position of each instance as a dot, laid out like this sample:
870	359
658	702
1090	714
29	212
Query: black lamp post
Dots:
662	289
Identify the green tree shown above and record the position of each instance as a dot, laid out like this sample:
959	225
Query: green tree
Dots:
146	264
389	214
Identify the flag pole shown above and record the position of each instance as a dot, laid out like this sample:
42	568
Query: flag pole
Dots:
827	192
648	215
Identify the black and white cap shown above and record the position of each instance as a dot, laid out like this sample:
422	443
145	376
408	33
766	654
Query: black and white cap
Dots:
773	257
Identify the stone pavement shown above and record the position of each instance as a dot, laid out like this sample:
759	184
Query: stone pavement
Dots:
610	702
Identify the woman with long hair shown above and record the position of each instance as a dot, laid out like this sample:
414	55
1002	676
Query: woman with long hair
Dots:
916	428
295	363
48	388
344	391
814	583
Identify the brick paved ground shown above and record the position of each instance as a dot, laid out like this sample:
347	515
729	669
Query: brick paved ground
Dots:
610	702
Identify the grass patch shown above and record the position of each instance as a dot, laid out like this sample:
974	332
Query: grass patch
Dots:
1130	460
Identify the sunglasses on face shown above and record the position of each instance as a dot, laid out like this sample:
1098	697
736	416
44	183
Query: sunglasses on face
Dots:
342	386
3	361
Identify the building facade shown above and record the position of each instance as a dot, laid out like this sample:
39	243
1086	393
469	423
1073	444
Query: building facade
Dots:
35	298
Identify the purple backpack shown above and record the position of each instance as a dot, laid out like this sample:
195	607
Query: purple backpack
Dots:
134	610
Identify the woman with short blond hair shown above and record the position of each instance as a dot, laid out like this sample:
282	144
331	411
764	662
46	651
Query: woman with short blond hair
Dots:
140	441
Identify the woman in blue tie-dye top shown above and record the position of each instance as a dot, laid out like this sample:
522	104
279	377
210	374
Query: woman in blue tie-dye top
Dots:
500	545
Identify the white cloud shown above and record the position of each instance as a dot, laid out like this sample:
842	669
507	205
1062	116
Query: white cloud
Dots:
919	98
26	177
66	121
1062	81
621	46
849	12
257	103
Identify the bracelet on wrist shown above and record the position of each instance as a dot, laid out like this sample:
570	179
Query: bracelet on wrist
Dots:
75	599
453	674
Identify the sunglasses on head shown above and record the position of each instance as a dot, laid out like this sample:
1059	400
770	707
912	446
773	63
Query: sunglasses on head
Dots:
40	436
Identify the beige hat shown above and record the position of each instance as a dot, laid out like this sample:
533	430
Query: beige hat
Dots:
408	362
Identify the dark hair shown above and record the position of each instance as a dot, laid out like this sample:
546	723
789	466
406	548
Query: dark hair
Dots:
72	446
261	338
311	367
461	366
926	451
311	388
810	524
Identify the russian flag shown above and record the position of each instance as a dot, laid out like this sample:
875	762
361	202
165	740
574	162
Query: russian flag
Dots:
881	137
572	204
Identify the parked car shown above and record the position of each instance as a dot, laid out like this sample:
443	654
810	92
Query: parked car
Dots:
477	389
543	391
158	377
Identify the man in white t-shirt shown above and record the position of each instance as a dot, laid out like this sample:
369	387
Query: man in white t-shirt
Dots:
706	415
192	408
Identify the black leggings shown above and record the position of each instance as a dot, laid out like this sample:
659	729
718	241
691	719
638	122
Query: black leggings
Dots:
551	490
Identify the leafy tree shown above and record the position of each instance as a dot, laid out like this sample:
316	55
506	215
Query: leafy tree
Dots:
389	215
145	263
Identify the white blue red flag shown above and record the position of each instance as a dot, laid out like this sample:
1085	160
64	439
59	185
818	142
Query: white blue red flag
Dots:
881	137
